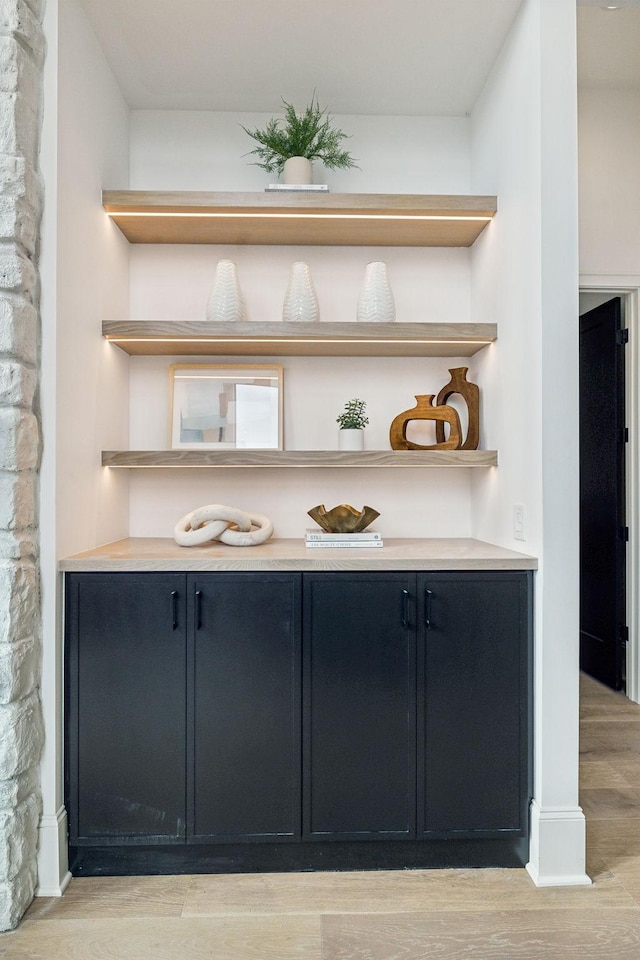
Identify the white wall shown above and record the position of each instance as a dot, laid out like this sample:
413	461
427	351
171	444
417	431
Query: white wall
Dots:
196	150
84	389
525	276
92	380
505	288
609	147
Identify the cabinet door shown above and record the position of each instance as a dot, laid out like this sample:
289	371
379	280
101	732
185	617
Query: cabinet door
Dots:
244	721
126	669
359	715
473	732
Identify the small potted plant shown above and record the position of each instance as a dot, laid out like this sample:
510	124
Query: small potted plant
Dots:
288	146
352	423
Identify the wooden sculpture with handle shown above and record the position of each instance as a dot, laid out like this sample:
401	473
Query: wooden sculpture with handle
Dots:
424	410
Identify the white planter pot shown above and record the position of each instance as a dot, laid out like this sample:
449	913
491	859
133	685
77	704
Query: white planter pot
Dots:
297	170
351	439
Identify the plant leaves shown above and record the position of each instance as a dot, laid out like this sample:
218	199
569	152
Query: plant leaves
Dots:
308	134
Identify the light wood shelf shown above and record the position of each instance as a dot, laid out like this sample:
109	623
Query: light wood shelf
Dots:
343	219
151	554
210	338
298	458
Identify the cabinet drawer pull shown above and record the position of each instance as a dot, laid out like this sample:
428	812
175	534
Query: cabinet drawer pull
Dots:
405	609
174	609
427	608
198	609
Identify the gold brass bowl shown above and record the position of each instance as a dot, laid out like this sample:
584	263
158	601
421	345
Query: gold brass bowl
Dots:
343	518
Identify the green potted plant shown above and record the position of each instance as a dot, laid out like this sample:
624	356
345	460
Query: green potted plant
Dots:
301	138
352	422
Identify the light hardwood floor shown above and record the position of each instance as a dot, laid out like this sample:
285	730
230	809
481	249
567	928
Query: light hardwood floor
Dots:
406	915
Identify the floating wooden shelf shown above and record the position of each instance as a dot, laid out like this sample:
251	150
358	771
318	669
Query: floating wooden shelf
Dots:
299	458
299	218
200	337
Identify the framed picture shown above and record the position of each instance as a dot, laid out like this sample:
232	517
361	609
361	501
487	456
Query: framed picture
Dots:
225	407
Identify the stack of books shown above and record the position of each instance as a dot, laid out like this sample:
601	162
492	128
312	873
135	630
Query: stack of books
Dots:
366	540
306	187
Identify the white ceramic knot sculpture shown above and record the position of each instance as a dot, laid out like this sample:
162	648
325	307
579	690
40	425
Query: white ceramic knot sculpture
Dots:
214	522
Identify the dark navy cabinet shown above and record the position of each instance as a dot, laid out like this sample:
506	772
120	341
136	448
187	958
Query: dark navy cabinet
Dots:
126	707
228	722
244	736
359	706
473	722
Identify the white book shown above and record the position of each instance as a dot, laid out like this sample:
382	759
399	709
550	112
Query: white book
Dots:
343	544
307	187
343	537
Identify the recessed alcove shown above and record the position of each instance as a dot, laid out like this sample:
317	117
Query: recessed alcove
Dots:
488	143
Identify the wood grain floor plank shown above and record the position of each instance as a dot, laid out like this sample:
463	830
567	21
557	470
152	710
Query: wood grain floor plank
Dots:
623	737
610	803
101	897
600	773
202	938
392	892
556	935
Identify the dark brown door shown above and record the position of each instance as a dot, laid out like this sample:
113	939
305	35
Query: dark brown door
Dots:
603	529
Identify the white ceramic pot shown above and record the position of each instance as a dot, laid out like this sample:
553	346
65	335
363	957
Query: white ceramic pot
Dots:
376	304
297	170
351	439
225	300
300	302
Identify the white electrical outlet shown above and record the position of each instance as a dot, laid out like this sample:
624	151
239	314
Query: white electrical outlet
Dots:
518	522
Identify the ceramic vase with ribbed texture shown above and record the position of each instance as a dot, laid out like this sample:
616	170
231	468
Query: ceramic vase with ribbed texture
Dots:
225	300
375	304
300	302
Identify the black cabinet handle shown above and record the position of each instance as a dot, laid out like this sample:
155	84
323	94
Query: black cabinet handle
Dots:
405	609
427	609
198	609
174	609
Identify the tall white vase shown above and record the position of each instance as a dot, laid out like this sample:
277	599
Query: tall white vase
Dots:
375	304
225	299
300	302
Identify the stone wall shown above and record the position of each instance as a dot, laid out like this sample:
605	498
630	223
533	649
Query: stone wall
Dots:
21	730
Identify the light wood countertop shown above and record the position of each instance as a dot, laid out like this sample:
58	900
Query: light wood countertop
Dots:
160	554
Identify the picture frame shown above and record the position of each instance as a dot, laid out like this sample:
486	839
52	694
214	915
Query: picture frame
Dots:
225	406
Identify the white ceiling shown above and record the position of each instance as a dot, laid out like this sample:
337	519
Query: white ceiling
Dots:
409	57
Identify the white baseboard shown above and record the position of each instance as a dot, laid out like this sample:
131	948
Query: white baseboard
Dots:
557	850
53	866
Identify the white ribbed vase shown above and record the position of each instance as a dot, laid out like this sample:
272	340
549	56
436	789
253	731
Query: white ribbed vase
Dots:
375	304
300	302
225	300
